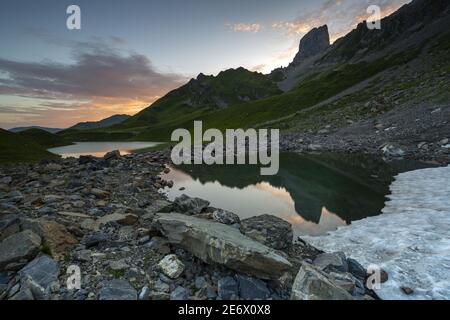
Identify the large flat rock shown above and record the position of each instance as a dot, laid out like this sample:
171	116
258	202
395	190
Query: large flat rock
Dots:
218	243
20	246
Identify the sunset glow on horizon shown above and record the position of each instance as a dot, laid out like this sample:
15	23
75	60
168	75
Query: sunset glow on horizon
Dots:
124	59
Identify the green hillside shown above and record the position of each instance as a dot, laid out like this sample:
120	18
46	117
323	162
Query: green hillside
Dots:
17	148
199	98
358	62
44	138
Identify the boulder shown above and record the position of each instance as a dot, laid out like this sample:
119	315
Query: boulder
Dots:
54	235
393	150
329	262
225	217
9	224
190	206
117	290
356	269
313	284
214	242
269	230
20	246
112	155
171	266
38	277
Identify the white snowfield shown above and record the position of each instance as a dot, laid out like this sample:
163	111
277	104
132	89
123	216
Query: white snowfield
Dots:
410	240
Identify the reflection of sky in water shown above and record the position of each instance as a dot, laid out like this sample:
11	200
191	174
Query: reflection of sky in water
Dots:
99	149
256	199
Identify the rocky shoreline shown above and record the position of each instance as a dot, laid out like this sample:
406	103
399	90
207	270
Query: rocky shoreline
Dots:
107	217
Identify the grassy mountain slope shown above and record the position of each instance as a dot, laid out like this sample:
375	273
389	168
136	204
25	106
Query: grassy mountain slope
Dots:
44	139
17	148
115	119
241	99
178	109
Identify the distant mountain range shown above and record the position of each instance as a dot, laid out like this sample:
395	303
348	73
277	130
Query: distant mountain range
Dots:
21	129
90	125
118	118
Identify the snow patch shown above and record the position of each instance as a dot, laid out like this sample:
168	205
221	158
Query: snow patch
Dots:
410	240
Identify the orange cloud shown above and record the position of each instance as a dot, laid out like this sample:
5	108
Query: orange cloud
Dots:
341	16
245	27
98	83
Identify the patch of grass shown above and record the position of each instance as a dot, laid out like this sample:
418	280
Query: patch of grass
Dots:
15	148
441	44
44	138
116	274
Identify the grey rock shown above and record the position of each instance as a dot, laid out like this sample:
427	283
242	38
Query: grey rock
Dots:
329	262
269	230
9	208
113	155
20	246
313	284
200	282
117	290
356	269
83	255
9	225
392	150
171	266
214	242
161	286
5	180
144	294
226	217
38	276
96	239
24	294
155	295
159	206
227	288
252	288
190	206
179	293
118	265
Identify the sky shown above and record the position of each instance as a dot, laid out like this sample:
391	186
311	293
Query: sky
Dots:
128	54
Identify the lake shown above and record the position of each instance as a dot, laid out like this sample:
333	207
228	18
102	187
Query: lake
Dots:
315	193
99	149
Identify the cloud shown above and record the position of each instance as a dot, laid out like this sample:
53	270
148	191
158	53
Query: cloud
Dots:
278	59
100	81
341	16
245	27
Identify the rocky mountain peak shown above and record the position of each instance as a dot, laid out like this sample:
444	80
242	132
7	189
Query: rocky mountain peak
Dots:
314	42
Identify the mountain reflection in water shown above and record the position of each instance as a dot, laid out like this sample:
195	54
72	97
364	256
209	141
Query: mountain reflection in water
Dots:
315	193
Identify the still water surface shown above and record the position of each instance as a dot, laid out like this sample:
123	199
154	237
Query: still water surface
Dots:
99	149
316	193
